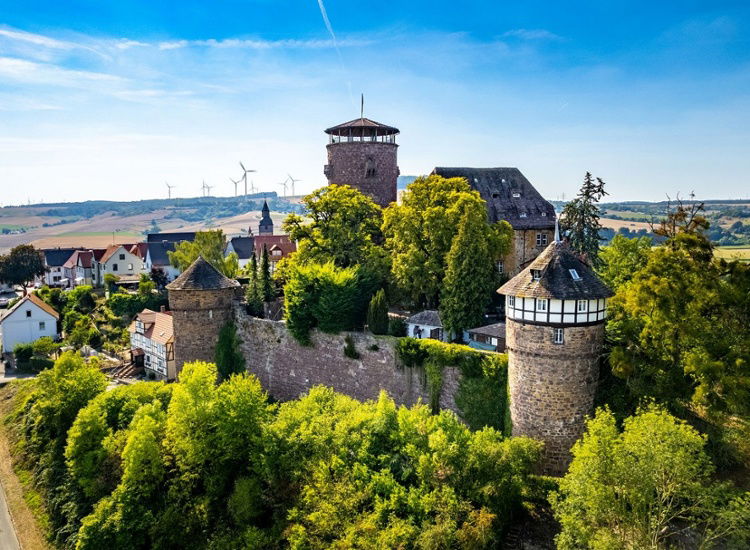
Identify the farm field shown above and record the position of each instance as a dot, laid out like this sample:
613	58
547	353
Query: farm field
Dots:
733	253
617	224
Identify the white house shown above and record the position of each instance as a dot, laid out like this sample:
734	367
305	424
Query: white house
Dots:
152	343
122	263
243	247
157	257
425	324
54	260
27	321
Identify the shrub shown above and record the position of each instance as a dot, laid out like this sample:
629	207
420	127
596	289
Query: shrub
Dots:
397	327
38	364
350	349
23	352
44	346
377	313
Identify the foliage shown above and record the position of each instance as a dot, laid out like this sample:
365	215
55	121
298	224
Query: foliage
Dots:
469	275
328	297
350	349
55	297
159	277
229	359
580	219
21	265
81	299
397	327
209	244
639	488
110	281
344	228
146	286
253	292
622	258
266	283
419	233
44	346
126	305
377	313
23	352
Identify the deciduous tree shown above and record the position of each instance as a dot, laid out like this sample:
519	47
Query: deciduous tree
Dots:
209	244
21	265
229	359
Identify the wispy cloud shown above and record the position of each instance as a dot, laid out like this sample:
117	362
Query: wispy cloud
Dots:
531	34
37	39
257	44
30	72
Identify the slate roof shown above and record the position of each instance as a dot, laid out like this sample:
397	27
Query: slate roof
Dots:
556	280
243	247
170	237
428	317
360	125
201	275
495	330
158	252
265	220
56	257
36	300
497	186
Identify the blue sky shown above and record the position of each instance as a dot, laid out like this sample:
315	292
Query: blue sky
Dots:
107	100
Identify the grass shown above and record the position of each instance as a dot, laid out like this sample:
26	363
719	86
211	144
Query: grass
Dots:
101	234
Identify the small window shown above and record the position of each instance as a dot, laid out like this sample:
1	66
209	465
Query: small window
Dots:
130	267
114	267
42	325
541	239
522	215
559	336
28	313
541	304
583	305
516	195
536	274
276	253
574	274
512	301
493	341
500	267
495	195
544	214
122	256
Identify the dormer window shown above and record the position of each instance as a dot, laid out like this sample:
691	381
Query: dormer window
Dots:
536	274
516	195
522	215
574	274
544	214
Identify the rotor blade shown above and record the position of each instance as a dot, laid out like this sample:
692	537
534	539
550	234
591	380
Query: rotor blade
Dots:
243	166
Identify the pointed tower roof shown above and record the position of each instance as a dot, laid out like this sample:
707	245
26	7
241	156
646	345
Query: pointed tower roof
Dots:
201	275
560	274
265	217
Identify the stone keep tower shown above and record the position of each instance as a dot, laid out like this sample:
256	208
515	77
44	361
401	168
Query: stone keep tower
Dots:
266	223
201	303
362	154
555	313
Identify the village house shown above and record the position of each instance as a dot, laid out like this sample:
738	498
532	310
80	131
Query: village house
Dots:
511	197
426	324
28	320
54	260
123	261
487	338
79	269
243	247
152	343
157	257
278	246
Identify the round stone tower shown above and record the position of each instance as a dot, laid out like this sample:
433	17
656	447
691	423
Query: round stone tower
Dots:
362	154
555	313
201	303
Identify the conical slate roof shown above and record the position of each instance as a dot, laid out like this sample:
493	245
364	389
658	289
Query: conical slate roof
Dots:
201	275
265	218
562	276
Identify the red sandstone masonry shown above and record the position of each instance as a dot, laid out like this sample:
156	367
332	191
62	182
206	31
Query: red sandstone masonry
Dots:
287	370
347	166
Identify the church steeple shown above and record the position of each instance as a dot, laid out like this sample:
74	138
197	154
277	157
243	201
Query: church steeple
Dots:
266	223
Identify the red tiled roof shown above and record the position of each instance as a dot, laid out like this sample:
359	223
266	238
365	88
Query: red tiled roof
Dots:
158	325
111	249
85	257
280	242
36	300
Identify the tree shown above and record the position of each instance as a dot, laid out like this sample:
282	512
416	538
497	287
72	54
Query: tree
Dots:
21	266
419	233
580	219
253	293
344	229
469	276
622	258
266	283
229	359
377	313
209	244
643	487
110	280
159	277
146	286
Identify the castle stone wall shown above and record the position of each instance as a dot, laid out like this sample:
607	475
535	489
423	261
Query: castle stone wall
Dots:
552	386
524	249
198	316
347	165
286	369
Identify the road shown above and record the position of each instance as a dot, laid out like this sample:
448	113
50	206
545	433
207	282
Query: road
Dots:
8	538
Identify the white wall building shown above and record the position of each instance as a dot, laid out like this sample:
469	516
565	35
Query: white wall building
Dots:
27	321
425	324
120	262
152	343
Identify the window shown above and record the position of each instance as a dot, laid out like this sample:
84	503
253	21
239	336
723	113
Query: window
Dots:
541	304
536	274
122	256
500	266
493	341
544	214
583	305
28	313
114	267
522	215
276	252
559	336
516	195
574	274
541	239
511	301
130	267
42	325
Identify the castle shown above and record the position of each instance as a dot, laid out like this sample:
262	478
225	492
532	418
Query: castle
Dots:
556	308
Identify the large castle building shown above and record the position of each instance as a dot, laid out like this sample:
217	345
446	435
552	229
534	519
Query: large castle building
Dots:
362	153
512	197
555	314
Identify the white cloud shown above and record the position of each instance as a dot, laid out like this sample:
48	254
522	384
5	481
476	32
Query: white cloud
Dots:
531	34
37	39
30	72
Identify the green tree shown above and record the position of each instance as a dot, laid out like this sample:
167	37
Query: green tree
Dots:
419	233
110	281
146	286
82	299
266	283
343	228
622	258
228	356
21	265
44	346
159	277
253	292
469	276
640	487
377	313
580	219
209	244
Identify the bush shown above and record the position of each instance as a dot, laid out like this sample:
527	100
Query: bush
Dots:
350	349
38	364
377	313
397	327
44	346
23	352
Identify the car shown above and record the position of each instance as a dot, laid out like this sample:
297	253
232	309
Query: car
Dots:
4	301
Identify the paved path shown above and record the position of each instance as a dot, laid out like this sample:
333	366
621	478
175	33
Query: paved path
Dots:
8	539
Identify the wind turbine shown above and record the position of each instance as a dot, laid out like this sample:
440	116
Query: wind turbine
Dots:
283	184
169	189
235	185
245	172
203	189
293	181
208	188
